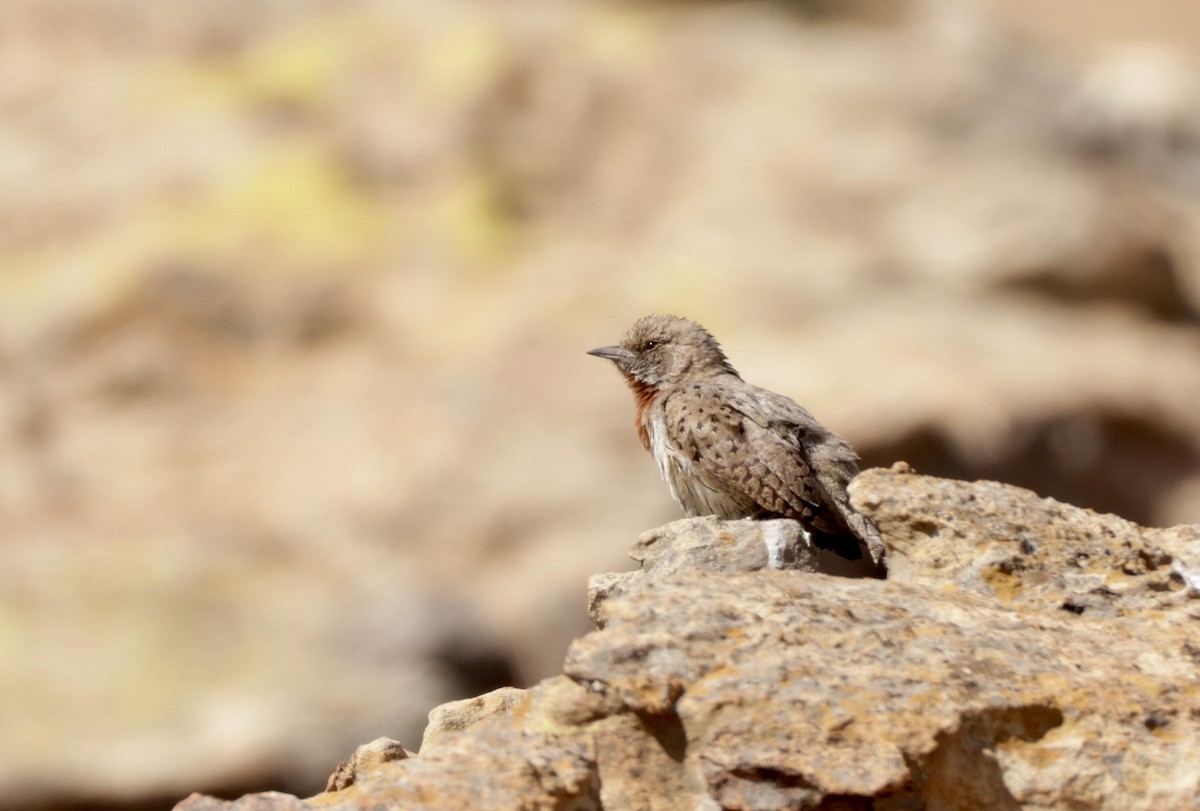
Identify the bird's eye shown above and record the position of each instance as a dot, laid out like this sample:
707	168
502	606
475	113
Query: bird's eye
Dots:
649	345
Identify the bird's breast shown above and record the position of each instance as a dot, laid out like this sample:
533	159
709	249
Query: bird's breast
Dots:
644	396
655	439
697	490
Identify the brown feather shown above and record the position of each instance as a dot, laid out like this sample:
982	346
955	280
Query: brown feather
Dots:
643	394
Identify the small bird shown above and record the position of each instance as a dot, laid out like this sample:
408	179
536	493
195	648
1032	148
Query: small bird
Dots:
734	450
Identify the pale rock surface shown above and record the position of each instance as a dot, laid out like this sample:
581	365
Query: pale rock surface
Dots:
709	544
1024	654
368	757
446	720
1073	559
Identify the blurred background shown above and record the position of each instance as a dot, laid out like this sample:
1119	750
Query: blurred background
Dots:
297	434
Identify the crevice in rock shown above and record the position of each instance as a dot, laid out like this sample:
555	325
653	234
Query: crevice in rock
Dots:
752	788
962	772
667	729
850	802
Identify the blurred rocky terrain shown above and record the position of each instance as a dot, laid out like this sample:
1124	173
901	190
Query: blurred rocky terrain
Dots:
297	436
1026	654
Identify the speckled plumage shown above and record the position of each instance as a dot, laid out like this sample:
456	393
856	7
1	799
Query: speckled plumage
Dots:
734	450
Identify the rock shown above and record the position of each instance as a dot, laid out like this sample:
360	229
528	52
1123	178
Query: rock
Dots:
709	544
980	538
794	689
447	720
266	801
719	681
365	758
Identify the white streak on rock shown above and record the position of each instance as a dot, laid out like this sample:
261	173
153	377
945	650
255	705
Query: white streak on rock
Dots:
1190	577
772	535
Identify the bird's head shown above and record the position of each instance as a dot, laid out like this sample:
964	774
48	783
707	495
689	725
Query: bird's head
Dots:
663	349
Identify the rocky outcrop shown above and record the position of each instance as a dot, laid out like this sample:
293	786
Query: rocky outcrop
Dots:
709	544
1023	653
1031	554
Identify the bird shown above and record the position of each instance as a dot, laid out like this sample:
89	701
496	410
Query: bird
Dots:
734	450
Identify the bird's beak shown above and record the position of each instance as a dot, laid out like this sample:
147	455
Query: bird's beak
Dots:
617	354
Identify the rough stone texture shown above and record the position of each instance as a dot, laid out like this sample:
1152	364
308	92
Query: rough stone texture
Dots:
367	757
709	544
266	801
792	690
1072	559
730	684
446	720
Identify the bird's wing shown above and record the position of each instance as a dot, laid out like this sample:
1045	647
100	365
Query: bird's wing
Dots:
831	457
781	456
